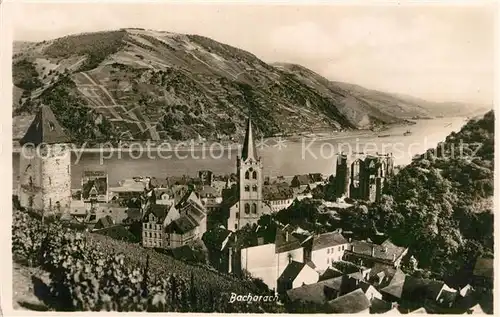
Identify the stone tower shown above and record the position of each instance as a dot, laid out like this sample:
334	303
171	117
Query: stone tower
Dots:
45	165
249	171
342	175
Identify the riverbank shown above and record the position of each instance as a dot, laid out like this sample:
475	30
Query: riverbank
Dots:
191	145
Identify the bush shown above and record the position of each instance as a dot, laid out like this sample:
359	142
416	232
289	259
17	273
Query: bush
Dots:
88	275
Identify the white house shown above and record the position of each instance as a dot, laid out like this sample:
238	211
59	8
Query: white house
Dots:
326	248
270	260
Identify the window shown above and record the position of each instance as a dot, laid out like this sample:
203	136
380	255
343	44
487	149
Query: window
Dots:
254	188
327	260
51	126
247	208
254	208
50	180
327	251
339	249
355	170
254	175
235	226
247	175
247	188
67	167
237	214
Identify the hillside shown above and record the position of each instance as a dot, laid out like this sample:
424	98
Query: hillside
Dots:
441	205
143	84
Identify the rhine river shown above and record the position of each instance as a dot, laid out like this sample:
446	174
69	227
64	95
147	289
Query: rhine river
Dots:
287	158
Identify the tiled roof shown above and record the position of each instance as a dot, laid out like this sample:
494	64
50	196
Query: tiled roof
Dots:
327	240
277	192
208	191
412	288
351	303
293	243
45	129
386	251
316	177
318	292
379	306
134	214
384	275
216	237
291	271
330	273
304	179
99	184
182	225
160	211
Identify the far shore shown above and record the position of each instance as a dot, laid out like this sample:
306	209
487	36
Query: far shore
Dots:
191	145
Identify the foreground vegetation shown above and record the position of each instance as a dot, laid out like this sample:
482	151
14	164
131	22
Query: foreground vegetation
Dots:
95	273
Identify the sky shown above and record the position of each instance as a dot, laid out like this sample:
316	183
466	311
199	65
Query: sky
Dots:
439	53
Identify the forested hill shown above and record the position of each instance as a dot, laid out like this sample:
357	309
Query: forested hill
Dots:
146	84
441	205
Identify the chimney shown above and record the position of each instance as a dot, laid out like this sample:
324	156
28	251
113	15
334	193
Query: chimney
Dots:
394	258
286	236
385	249
373	251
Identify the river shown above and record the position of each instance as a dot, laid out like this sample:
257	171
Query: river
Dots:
286	158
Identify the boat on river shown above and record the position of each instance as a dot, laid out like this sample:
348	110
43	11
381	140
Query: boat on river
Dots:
407	133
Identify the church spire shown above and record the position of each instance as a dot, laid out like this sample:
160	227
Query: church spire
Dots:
249	150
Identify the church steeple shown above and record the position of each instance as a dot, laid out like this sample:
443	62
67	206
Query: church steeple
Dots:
249	150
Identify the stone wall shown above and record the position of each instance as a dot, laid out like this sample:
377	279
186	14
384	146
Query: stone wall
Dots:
30	173
50	171
56	178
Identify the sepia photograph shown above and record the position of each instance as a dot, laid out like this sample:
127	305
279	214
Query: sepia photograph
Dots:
224	157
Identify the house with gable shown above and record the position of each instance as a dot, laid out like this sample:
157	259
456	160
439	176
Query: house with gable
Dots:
297	274
155	220
278	196
354	302
411	293
268	261
326	248
369	254
190	223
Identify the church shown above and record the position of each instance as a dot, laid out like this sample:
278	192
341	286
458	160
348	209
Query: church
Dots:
247	206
